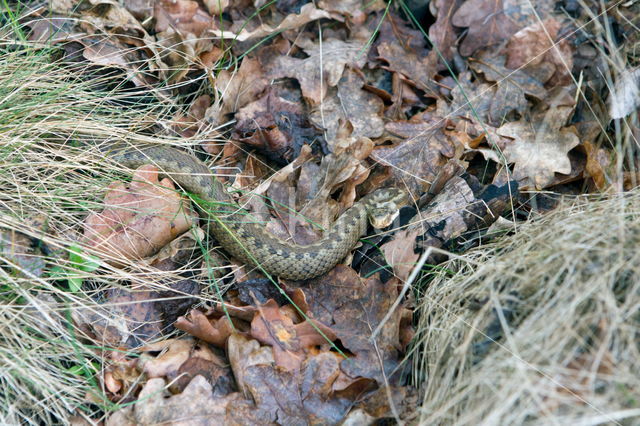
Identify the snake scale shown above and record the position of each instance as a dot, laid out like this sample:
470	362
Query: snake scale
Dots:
249	241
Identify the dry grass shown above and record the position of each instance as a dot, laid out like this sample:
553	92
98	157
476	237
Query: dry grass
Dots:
49	182
539	327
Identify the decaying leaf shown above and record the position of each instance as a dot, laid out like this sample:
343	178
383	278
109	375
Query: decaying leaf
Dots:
237	89
137	221
361	108
353	307
315	77
416	158
540	147
442	33
287	339
419	71
537	49
512	86
196	405
400	253
213	330
308	13
490	22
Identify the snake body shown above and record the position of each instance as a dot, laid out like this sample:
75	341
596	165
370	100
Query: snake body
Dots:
249	241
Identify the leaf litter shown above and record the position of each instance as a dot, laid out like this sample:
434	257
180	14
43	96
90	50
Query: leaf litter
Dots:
311	106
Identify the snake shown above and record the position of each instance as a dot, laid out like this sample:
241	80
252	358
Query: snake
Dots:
249	241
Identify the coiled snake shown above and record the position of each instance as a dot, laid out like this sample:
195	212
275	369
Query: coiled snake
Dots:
250	242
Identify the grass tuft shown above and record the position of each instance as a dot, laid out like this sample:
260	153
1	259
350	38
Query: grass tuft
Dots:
541	326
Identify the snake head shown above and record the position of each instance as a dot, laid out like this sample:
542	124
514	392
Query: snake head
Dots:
383	206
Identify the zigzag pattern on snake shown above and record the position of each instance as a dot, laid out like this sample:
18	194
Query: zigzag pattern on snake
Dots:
250	242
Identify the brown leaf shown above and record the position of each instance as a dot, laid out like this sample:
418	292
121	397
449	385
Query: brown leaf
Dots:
335	55
308	13
137	221
598	163
416	159
540	147
303	398
195	406
442	33
126	318
184	16
512	86
238	89
472	100
399	252
490	22
214	371
419	71
354	10
214	331
174	353
537	46
288	340
353	307
363	109
243	353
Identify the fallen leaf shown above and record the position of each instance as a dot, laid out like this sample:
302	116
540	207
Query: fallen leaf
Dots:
418	71
137	221
184	16
244	352
214	330
355	11
195	406
308	13
540	147
491	22
469	99
335	56
174	353
237	89
400	254
442	33
287	339
353	307
416	158
350	102
512	86
304	398
537	47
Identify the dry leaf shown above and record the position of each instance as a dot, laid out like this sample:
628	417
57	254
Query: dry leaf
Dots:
419	71
540	147
335	56
361	108
537	47
490	22
287	339
139	220
308	13
416	159
342	296
399	252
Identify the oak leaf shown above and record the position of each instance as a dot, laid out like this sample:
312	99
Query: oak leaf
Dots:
335	56
139	220
491	22
539	148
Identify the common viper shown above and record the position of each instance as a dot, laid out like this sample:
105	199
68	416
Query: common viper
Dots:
250	242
